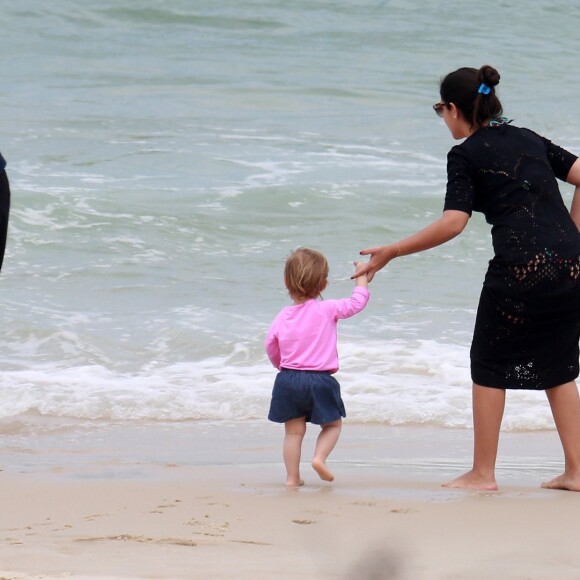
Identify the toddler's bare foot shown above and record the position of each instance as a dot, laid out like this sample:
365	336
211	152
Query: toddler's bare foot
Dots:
293	482
563	482
470	480
323	472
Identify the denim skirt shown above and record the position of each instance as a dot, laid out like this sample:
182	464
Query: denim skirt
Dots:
314	395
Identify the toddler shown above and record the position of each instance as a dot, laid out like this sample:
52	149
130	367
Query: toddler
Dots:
301	344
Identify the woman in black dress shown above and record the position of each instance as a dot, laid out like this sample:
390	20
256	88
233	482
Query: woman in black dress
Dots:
528	320
4	207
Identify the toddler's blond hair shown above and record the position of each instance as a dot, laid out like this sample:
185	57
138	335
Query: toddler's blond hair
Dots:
305	273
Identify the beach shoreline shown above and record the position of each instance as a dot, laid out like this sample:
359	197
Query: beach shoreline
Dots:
207	500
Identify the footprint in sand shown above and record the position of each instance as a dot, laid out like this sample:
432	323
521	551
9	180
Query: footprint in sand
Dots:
252	542
93	517
162	507
404	511
13	541
216	529
140	540
218	504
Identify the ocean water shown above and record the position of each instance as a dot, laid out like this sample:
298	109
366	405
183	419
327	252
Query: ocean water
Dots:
165	157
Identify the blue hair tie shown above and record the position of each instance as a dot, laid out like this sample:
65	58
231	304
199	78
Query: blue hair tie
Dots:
484	89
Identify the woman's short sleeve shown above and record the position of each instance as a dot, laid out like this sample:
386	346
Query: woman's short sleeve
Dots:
560	159
460	187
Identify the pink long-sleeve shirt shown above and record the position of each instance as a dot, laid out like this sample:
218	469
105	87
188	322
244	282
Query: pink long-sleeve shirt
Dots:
304	336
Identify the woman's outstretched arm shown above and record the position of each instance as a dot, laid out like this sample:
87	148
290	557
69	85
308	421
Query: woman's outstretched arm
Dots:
449	225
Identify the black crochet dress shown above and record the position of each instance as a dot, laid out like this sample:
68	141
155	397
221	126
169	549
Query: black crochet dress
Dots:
4	207
528	319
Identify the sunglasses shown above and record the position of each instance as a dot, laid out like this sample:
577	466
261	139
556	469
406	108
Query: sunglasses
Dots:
439	108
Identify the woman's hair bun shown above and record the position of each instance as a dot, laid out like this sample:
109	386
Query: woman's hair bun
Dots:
489	75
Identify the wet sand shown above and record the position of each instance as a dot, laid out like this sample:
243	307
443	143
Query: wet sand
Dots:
207	500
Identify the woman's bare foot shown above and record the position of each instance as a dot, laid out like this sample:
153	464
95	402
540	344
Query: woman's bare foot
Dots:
563	482
470	480
323	472
291	482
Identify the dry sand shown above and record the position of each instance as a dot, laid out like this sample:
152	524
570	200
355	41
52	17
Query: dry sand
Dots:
207	500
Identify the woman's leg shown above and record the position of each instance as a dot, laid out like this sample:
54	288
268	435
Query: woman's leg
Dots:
488	408
324	445
565	404
294	434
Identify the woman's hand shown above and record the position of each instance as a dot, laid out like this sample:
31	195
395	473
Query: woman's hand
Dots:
380	257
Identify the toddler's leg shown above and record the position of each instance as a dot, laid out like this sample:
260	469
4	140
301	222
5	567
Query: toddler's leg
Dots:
324	445
294	434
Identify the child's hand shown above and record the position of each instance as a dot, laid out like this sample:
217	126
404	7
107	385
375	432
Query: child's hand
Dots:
380	257
358	267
